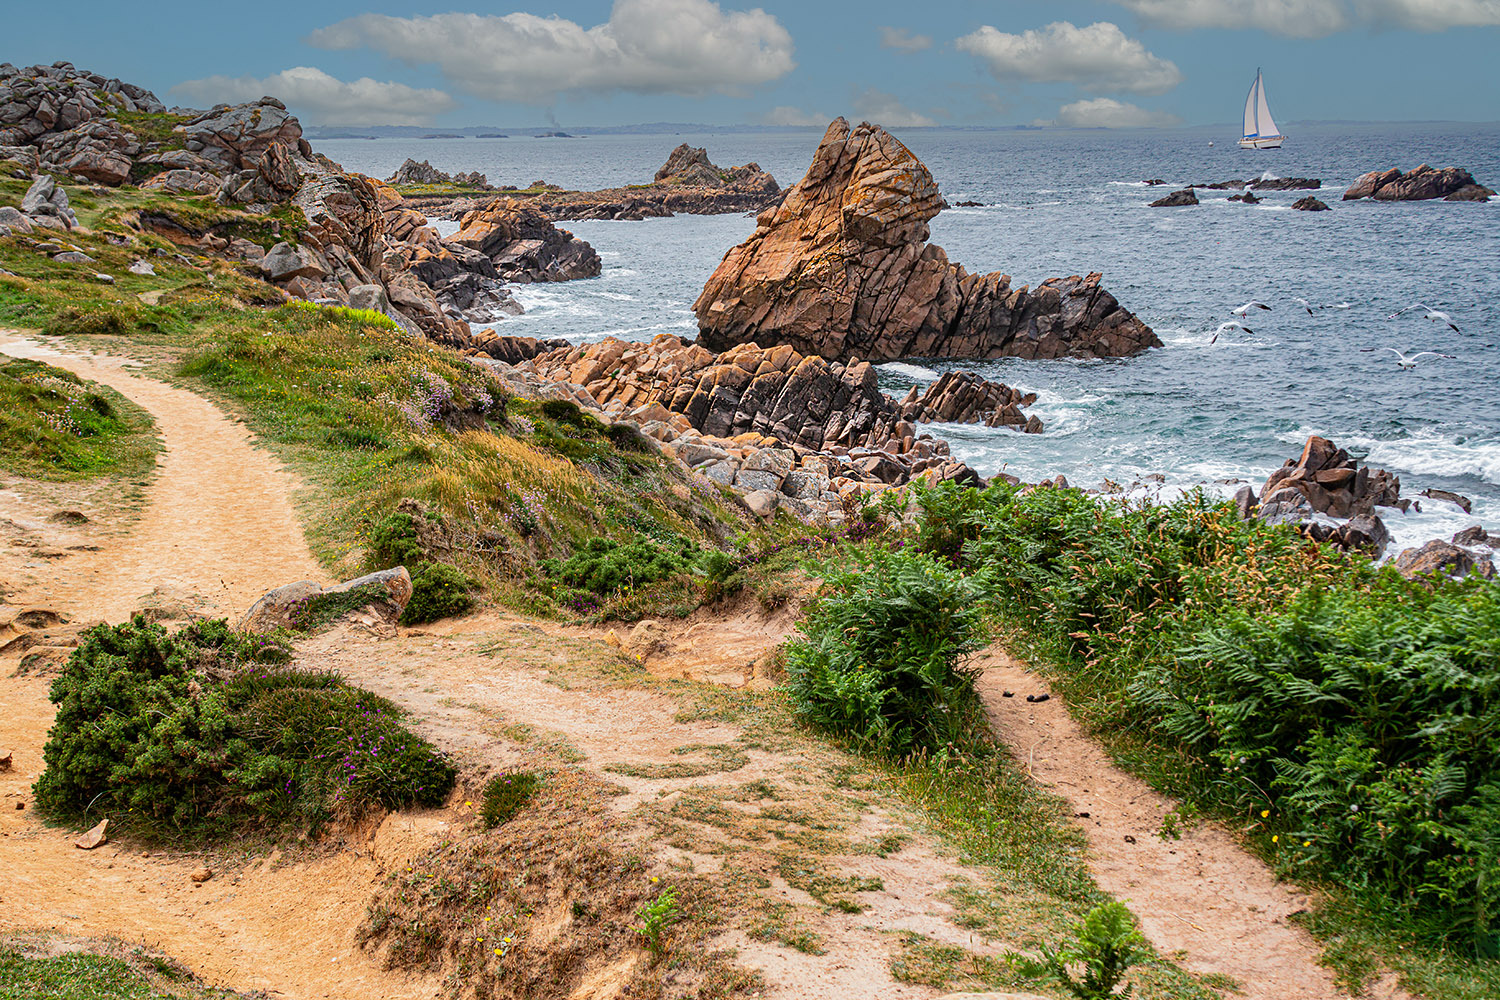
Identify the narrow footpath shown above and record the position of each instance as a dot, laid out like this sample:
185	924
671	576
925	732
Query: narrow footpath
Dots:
1203	898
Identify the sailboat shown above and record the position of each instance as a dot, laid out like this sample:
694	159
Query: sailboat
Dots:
1260	128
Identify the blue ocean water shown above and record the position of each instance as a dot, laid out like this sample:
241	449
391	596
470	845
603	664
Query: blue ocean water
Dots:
1060	202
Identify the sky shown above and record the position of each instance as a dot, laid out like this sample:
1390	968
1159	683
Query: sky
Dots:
1104	63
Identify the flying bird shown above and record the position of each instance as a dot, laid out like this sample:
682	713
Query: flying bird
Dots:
1230	325
1244	310
1304	304
1406	361
1335	305
1435	315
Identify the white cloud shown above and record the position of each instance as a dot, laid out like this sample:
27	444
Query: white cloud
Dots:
885	109
790	116
903	40
690	47
323	99
1097	57
1105	112
1317	18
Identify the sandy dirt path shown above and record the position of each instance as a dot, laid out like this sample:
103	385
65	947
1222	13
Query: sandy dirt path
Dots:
1203	898
218	521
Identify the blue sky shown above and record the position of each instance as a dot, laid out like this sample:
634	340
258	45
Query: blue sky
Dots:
959	62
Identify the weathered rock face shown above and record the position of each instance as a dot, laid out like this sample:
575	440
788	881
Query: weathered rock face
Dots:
965	398
1440	558
803	401
842	269
1309	204
386	593
43	100
1177	199
690	166
512	350
1422	184
524	245
1331	483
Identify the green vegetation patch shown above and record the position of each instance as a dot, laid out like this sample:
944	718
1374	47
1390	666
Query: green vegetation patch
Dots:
507	794
54	425
202	732
1347	716
32	972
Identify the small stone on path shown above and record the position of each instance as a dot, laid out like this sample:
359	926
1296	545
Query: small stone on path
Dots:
93	838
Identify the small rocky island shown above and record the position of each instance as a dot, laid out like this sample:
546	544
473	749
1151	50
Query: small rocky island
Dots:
1425	183
688	183
841	268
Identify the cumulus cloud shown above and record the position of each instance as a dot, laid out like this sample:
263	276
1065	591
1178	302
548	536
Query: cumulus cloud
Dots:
885	109
324	99
1317	18
689	47
1105	112
789	116
903	40
1097	57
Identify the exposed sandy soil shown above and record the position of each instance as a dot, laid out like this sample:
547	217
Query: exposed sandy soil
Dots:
1203	897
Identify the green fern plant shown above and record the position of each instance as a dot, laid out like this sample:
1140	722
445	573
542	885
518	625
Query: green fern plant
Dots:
1106	944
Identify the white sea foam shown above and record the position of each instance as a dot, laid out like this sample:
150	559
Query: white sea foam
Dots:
914	372
445	227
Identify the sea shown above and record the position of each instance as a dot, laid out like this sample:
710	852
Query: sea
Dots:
1197	413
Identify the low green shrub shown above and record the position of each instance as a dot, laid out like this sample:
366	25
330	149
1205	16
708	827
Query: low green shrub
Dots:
204	731
437	591
602	566
1105	943
882	657
393	542
507	794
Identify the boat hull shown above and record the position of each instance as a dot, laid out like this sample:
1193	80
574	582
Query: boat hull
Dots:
1265	142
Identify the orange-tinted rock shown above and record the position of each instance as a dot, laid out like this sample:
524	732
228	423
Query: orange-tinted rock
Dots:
842	268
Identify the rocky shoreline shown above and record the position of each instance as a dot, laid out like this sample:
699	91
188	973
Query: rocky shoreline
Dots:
687	184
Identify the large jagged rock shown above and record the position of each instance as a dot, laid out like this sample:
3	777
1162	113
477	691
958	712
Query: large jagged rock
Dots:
842	269
1177	199
413	172
46	204
41	100
690	166
1332	483
1422	184
965	398
524	245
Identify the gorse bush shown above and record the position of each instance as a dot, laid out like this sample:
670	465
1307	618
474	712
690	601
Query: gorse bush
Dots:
200	732
602	566
1350	713
437	591
882	657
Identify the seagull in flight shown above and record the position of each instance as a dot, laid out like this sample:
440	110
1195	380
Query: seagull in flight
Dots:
1435	315
1304	304
1231	325
1406	361
1336	305
1244	310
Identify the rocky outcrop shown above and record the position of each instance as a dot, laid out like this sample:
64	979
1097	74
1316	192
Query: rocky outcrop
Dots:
413	172
66	116
1332	483
688	183
1309	204
1422	184
1285	184
1248	198
524	244
512	350
1177	199
841	268
806	402
45	204
965	398
1444	559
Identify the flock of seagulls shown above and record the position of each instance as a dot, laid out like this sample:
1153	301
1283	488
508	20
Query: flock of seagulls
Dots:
1404	361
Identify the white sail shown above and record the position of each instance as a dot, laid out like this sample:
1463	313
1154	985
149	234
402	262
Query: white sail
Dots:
1265	125
1250	131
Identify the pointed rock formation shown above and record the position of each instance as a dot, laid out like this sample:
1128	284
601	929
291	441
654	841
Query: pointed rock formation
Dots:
842	269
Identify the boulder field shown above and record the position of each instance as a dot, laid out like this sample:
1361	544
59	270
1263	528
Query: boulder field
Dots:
841	268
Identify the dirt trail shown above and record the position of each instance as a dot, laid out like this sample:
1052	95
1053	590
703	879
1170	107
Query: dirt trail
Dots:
219	524
219	520
1203	897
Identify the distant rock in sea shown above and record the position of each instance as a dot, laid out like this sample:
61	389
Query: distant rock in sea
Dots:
1177	199
1422	184
414	172
841	268
1309	204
